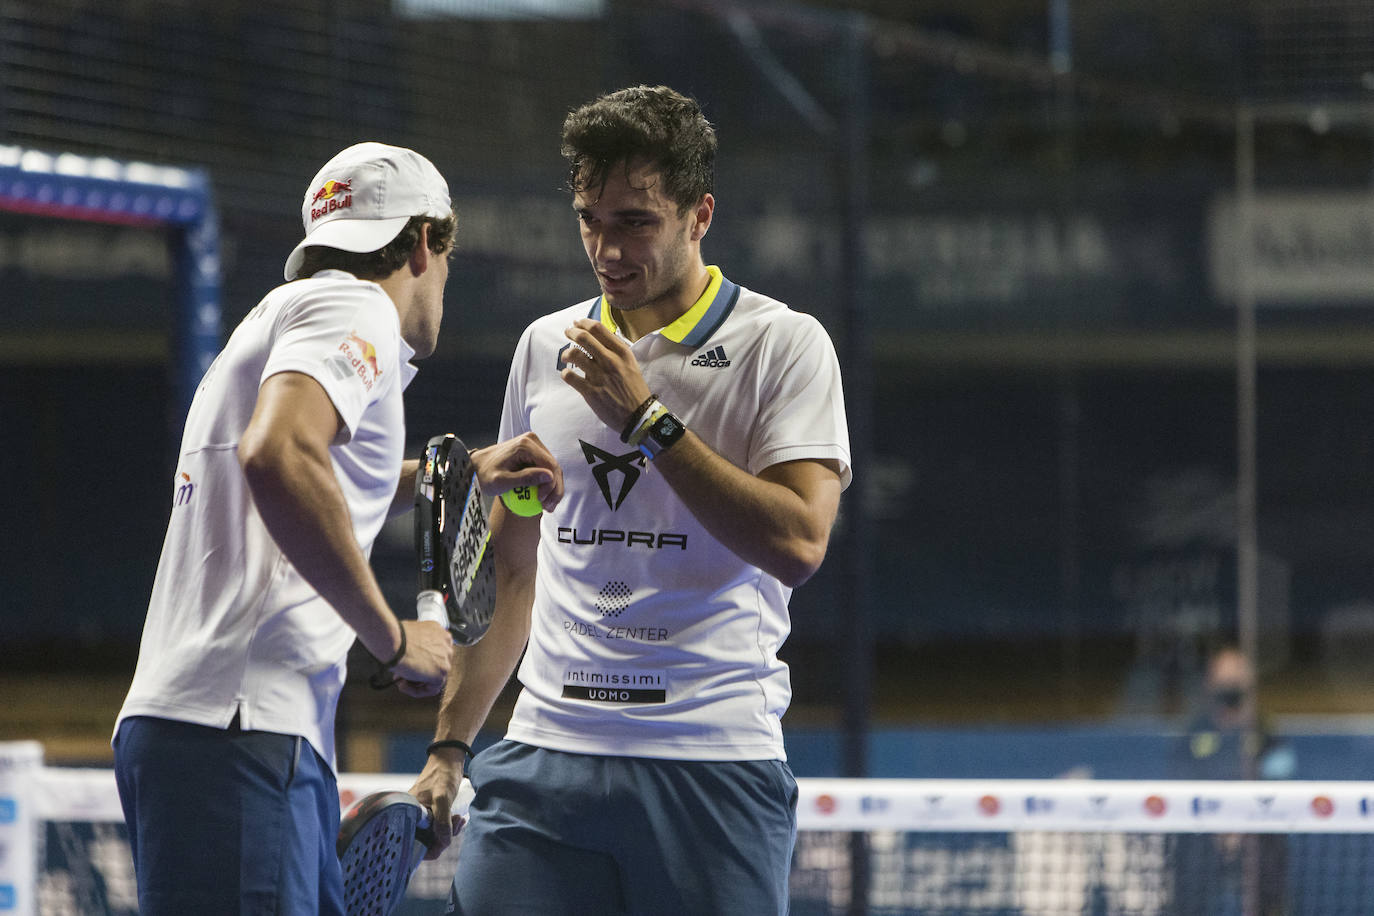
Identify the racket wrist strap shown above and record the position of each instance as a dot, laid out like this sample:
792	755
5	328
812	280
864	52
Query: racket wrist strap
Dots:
453	743
400	653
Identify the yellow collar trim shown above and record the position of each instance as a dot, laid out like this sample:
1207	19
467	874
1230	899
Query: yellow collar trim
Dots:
677	331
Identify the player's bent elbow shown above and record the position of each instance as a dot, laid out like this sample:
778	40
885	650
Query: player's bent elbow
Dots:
258	459
254	459
799	564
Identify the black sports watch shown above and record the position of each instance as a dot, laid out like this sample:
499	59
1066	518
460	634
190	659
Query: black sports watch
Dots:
662	433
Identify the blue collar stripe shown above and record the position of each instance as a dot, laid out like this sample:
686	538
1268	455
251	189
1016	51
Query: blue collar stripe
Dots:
694	327
721	307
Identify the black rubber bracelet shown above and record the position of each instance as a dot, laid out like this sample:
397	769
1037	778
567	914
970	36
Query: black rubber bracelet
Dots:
450	742
634	418
400	653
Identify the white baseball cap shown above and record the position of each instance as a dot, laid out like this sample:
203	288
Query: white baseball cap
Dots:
363	197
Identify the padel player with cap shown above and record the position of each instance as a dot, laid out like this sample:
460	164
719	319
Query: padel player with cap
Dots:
290	462
701	430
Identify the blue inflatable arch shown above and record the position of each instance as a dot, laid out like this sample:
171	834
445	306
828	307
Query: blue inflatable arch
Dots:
178	200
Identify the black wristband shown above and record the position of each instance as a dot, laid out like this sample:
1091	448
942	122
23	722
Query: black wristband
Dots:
634	418
400	653
449	742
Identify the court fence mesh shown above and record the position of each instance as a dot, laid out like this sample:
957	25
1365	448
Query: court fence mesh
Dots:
986	847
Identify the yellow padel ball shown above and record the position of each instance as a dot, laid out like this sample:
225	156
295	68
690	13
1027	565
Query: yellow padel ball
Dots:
522	500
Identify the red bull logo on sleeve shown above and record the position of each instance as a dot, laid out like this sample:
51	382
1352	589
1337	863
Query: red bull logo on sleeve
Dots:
331	197
362	356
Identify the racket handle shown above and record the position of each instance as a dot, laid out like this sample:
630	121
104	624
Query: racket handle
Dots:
429	605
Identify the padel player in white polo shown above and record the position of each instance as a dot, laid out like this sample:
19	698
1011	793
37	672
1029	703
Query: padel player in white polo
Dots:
648	635
289	463
701	431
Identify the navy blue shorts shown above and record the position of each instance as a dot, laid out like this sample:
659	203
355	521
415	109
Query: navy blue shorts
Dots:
562	834
227	821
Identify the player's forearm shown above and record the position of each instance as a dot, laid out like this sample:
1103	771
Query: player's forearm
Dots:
404	500
480	672
300	503
778	520
762	521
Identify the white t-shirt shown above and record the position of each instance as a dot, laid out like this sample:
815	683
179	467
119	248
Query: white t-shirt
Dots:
649	638
232	627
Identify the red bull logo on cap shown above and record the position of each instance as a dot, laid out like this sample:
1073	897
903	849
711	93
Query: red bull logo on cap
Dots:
362	356
332	196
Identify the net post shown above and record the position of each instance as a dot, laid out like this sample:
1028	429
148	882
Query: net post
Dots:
852	164
20	762
1247	538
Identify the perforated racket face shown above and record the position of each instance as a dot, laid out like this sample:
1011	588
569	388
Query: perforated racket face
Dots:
378	852
452	538
467	540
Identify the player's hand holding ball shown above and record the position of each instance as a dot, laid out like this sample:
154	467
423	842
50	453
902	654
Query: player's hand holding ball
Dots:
520	469
523	501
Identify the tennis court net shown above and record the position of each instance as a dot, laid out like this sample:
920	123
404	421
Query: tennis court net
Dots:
984	847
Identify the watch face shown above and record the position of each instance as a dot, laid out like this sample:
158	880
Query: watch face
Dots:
666	430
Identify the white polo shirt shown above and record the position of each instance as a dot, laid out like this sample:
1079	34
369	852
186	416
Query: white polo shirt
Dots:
649	638
232	627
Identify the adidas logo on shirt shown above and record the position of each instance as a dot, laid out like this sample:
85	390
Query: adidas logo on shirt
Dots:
715	359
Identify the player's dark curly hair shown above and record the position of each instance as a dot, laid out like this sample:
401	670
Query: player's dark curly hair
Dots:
375	265
652	123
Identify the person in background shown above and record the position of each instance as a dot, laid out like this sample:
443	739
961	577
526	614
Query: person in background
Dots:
1228	738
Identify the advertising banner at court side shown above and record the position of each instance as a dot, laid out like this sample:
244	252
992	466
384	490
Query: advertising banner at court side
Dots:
1305	248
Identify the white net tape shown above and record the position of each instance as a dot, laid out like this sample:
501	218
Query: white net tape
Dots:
1086	806
933	846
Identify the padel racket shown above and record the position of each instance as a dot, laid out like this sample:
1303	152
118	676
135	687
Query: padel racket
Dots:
457	581
382	840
